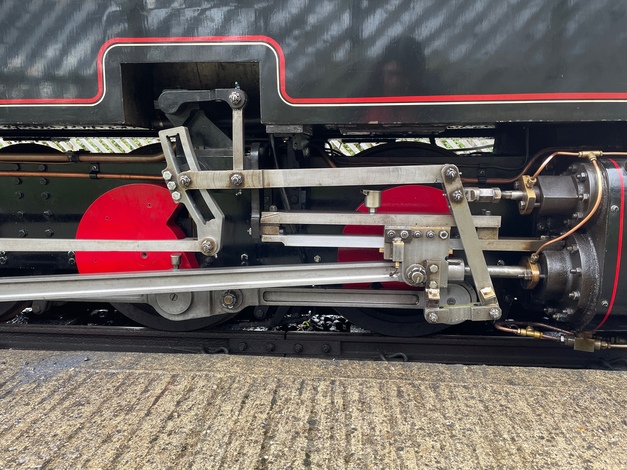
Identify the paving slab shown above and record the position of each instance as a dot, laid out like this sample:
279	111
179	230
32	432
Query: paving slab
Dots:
69	410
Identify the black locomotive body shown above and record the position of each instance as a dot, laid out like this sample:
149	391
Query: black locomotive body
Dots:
245	204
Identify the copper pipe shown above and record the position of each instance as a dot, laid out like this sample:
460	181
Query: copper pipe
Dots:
80	158
121	176
550	157
592	211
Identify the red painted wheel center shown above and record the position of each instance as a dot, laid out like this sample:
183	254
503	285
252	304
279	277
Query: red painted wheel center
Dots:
131	212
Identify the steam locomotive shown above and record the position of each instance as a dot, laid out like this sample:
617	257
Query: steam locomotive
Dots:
245	206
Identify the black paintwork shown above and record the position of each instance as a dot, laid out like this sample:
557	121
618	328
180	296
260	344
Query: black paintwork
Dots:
333	50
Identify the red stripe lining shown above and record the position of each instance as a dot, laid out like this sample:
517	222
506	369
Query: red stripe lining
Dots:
502	97
619	250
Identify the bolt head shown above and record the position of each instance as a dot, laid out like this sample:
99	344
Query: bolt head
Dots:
495	313
171	185
207	247
391	234
167	175
432	317
434	268
433	285
185	181
176	196
605	303
614	208
404	234
457	195
451	173
430	234
236	179
235	97
417	234
317	259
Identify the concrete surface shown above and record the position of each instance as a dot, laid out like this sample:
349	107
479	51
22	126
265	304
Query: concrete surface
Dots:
111	410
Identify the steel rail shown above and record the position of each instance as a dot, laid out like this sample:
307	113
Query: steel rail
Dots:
446	349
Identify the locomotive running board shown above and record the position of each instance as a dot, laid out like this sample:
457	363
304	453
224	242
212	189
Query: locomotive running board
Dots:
93	286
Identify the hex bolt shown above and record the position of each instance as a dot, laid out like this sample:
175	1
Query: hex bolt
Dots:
176	196
317	258
457	195
432	317
574	295
242	346
270	347
614	208
45	195
391	234
167	175
235	97
229	300
22	233
430	234
495	313
43	181
443	234
19	195
417	234
236	179
582	176
326	349
49	232
434	268
605	303
185	181
171	185
47	214
404	234
433	285
298	348
3	260
576	271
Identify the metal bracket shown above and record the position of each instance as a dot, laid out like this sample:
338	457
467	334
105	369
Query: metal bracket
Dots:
472	246
209	231
172	102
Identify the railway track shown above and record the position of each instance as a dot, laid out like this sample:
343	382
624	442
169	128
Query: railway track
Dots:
467	349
